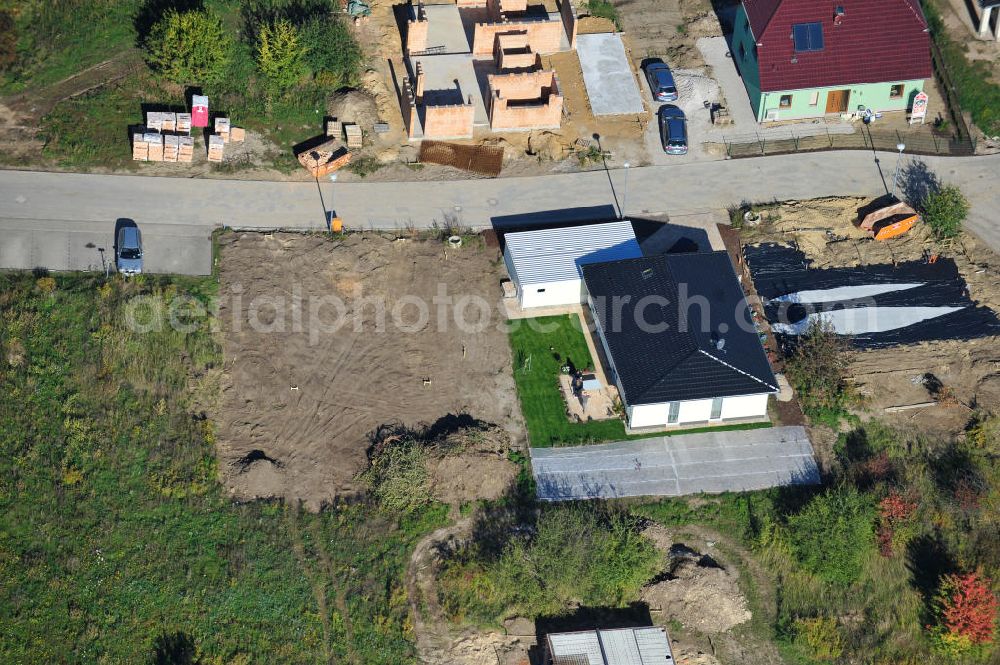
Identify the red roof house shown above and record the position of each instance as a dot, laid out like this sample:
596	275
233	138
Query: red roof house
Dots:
802	58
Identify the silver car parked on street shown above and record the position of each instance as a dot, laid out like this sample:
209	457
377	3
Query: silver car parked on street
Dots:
128	251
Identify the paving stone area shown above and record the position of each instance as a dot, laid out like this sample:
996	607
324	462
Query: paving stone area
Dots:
724	461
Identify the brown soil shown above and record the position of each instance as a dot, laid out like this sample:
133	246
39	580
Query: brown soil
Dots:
296	412
824	230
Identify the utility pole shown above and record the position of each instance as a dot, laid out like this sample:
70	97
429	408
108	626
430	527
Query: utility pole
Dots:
895	176
621	213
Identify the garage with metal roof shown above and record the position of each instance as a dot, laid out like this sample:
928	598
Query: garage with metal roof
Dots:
544	264
620	646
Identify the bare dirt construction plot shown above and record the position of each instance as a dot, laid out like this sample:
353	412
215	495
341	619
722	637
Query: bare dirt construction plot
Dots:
968	371
298	404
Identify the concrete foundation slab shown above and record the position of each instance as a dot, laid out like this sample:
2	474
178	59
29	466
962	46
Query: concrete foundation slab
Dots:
611	85
724	461
445	31
452	79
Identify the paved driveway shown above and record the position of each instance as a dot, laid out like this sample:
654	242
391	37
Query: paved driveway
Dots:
725	461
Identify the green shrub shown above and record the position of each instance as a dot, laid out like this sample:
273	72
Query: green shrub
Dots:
333	56
944	211
819	638
576	555
831	535
190	47
397	476
817	370
280	55
604	9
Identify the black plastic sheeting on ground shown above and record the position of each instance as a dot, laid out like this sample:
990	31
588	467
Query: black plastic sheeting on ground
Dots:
779	270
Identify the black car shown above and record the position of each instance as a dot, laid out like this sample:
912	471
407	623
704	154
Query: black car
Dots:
673	130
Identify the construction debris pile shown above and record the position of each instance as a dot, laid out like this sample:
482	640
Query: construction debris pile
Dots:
166	136
324	158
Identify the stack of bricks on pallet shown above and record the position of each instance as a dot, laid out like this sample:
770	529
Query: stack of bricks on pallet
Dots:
184	123
171	147
155	141
215	148
237	134
222	128
140	149
185	149
352	133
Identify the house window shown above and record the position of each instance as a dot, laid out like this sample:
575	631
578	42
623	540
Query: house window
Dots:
786	101
743	52
807	37
814	99
541	290
896	91
716	409
673	412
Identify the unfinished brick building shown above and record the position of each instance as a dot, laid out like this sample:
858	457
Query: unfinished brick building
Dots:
525	100
476	63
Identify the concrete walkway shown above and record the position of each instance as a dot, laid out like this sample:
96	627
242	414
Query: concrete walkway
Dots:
49	203
724	461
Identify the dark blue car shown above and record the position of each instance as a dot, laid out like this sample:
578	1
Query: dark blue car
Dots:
673	130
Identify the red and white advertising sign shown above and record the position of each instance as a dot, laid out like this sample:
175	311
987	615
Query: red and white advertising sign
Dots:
199	111
919	111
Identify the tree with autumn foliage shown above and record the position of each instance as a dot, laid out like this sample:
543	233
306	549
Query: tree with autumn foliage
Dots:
894	513
967	615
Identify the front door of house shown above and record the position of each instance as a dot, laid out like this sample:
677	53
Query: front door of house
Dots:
836	101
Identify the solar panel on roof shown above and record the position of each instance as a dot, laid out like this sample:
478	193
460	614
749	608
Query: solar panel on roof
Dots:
807	37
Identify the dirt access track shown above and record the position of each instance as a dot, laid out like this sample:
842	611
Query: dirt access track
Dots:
300	400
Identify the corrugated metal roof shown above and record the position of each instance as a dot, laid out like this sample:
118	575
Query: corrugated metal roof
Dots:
554	255
622	646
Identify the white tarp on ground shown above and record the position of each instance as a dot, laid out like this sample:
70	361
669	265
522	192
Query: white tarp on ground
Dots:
843	293
610	82
861	320
723	461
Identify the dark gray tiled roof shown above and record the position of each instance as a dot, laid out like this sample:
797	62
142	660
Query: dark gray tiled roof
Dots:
678	328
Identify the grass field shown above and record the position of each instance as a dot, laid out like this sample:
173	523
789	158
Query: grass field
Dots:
538	357
117	545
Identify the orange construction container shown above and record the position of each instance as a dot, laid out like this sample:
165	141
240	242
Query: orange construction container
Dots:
336	224
890	221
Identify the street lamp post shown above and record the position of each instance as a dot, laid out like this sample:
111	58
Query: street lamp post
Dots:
621	213
329	214
895	176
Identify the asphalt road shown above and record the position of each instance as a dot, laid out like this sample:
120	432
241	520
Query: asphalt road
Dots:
724	461
49	219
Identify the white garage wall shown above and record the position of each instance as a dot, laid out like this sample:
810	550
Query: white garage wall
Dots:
697	411
555	293
744	406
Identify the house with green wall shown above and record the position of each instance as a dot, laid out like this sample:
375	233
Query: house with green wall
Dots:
812	58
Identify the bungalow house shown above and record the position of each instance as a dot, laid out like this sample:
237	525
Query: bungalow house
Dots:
678	339
810	58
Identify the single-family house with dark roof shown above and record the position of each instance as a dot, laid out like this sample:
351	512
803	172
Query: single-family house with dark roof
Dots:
679	339
810	58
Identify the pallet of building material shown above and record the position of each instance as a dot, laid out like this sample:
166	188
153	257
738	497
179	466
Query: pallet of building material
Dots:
381	127
171	147
482	159
184	123
324	158
185	149
216	147
154	120
333	128
352	135
155	141
237	134
169	122
222	128
140	149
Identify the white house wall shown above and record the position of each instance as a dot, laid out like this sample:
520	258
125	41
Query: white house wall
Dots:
744	406
551	294
697	411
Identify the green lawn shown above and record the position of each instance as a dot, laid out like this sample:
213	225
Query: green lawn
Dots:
117	544
540	348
